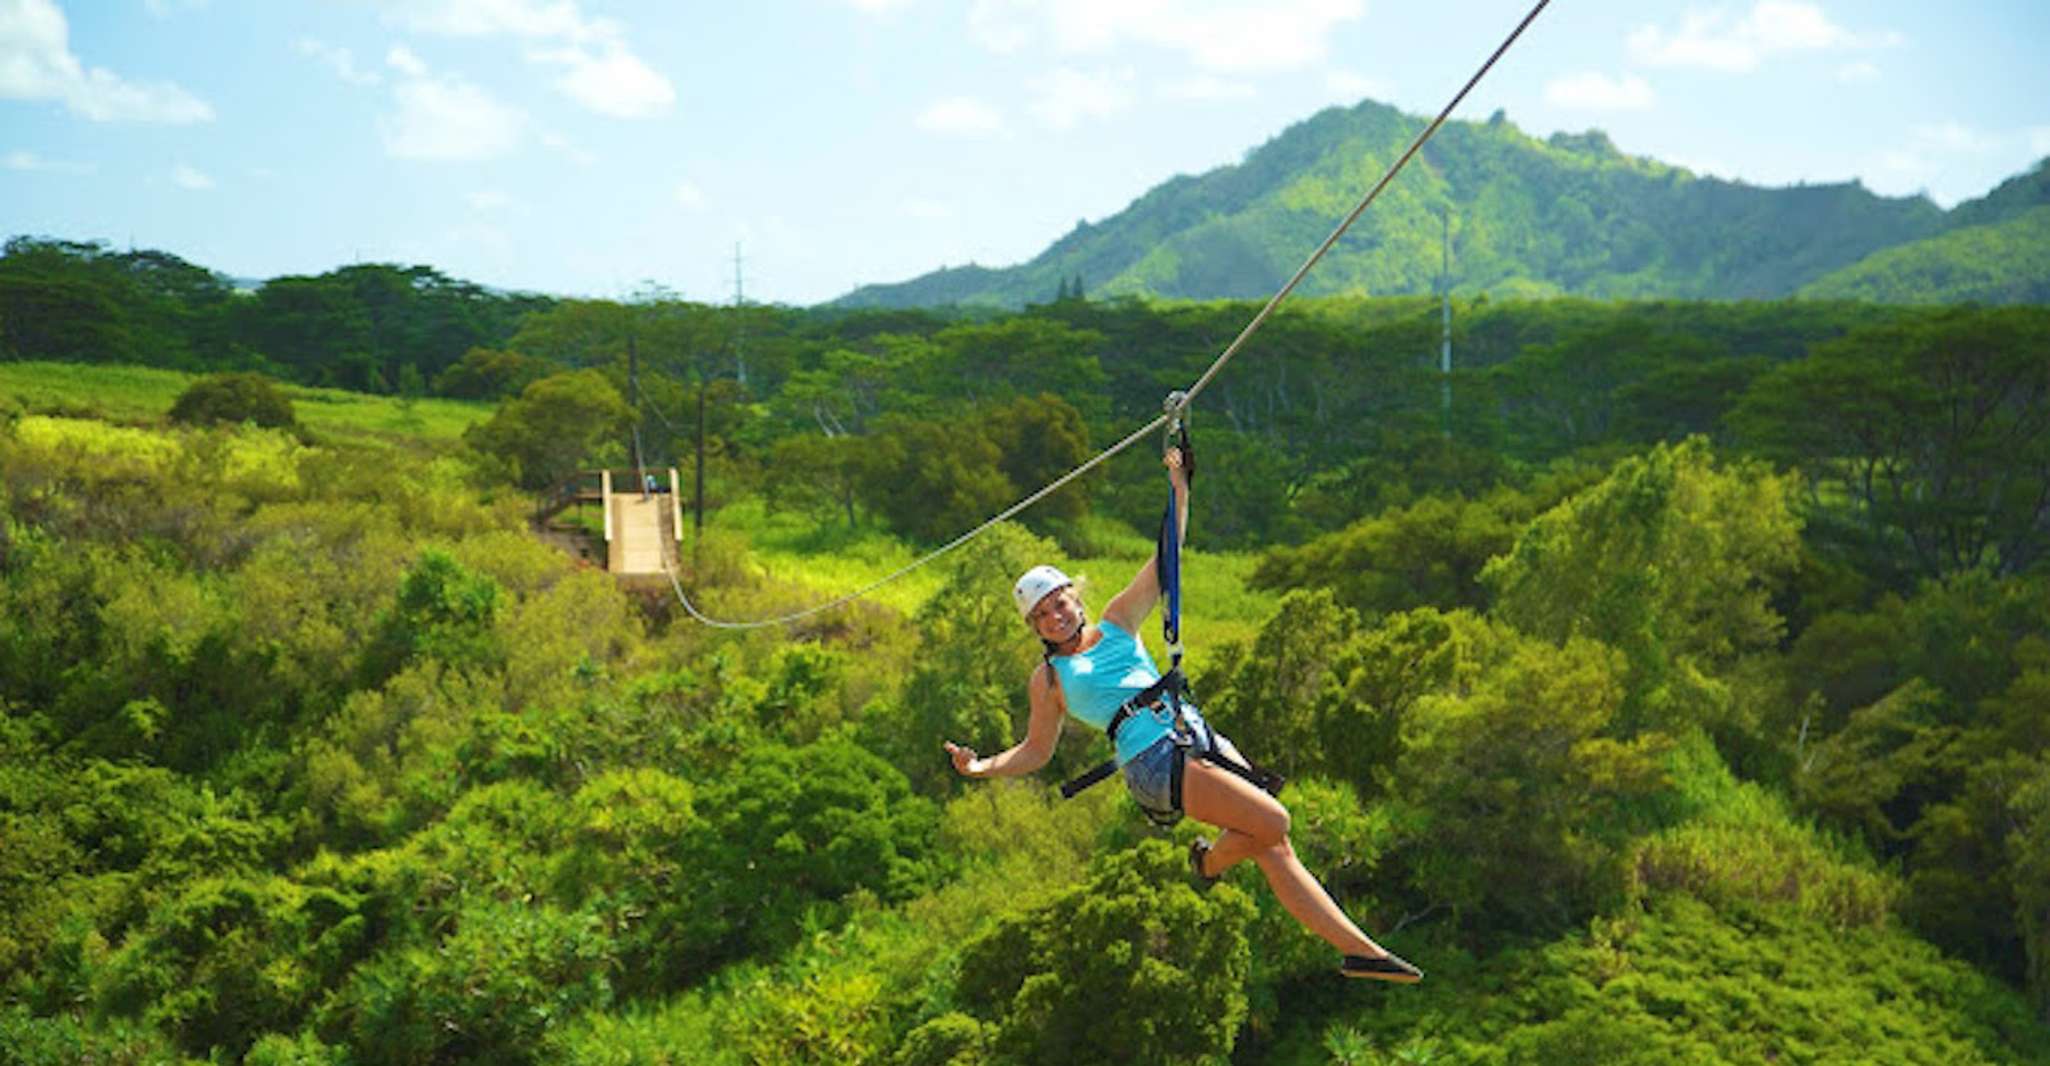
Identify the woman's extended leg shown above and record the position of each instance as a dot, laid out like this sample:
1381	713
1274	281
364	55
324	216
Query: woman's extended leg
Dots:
1254	825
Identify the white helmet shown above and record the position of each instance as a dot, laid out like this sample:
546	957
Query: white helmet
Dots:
1035	585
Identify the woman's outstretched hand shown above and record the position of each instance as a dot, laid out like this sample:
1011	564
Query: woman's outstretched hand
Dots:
966	763
1176	473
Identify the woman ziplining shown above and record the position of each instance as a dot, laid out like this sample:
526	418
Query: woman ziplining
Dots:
1171	760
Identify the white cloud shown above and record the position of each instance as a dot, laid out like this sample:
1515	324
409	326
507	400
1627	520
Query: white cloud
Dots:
30	162
878	7
448	119
405	62
36	63
1712	40
186	177
1207	88
1067	96
610	80
1858	73
339	60
603	72
690	196
1594	91
962	115
1219	36
1352	85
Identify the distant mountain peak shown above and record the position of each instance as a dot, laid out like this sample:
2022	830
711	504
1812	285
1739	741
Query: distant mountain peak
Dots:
1569	214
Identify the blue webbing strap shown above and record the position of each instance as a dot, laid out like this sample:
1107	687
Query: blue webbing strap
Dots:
1169	549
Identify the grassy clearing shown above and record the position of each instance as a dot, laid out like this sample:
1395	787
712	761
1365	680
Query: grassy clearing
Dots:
359	417
832	560
134	395
126	394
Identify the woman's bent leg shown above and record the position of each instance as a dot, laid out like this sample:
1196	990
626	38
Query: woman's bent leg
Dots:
1255	825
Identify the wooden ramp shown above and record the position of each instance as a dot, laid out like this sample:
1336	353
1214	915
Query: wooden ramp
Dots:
639	529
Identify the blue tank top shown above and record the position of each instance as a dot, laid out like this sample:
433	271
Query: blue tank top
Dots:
1096	682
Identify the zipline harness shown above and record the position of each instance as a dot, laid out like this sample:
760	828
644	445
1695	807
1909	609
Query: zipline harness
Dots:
1177	409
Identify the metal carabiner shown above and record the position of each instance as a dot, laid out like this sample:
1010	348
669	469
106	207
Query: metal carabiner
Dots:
1176	408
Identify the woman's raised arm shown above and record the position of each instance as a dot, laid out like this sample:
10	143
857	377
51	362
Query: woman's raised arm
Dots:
1130	607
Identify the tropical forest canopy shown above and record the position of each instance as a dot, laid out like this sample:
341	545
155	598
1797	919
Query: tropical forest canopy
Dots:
1671	683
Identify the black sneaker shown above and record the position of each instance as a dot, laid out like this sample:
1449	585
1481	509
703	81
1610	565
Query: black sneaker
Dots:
1384	968
1199	848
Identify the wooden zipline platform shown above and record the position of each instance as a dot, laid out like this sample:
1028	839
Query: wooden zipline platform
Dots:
642	528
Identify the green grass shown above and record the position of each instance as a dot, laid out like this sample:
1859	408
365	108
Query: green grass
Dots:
134	395
832	560
384	419
127	394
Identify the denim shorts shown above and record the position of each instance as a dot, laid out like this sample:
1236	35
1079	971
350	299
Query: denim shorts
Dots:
1154	776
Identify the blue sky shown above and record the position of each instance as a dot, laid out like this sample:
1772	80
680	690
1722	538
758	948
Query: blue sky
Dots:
586	147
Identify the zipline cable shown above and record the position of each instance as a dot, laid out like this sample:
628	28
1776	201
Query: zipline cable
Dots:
1414	147
1187	397
929	556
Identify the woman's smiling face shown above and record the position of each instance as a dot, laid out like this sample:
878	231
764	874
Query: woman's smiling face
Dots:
1058	616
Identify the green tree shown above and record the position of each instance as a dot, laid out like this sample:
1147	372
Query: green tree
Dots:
491	374
1935	428
444	613
1039	439
1515	782
818	475
554	426
487	992
233	398
1131	966
793	830
932	480
226	959
1271	694
1674	560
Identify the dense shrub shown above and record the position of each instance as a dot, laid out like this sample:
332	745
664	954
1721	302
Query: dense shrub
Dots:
1131	967
227	960
233	398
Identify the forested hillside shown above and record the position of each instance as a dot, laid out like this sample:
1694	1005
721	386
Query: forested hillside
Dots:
1527	217
1679	691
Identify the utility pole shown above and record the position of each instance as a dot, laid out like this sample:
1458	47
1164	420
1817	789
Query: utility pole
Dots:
697	510
1445	346
633	385
739	319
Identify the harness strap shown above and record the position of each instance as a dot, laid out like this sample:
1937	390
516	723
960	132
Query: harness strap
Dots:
1170	685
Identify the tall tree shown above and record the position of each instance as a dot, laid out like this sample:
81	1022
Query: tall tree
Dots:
1935	429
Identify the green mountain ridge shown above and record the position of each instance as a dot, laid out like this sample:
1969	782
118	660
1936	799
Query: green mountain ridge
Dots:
1999	262
1566	215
